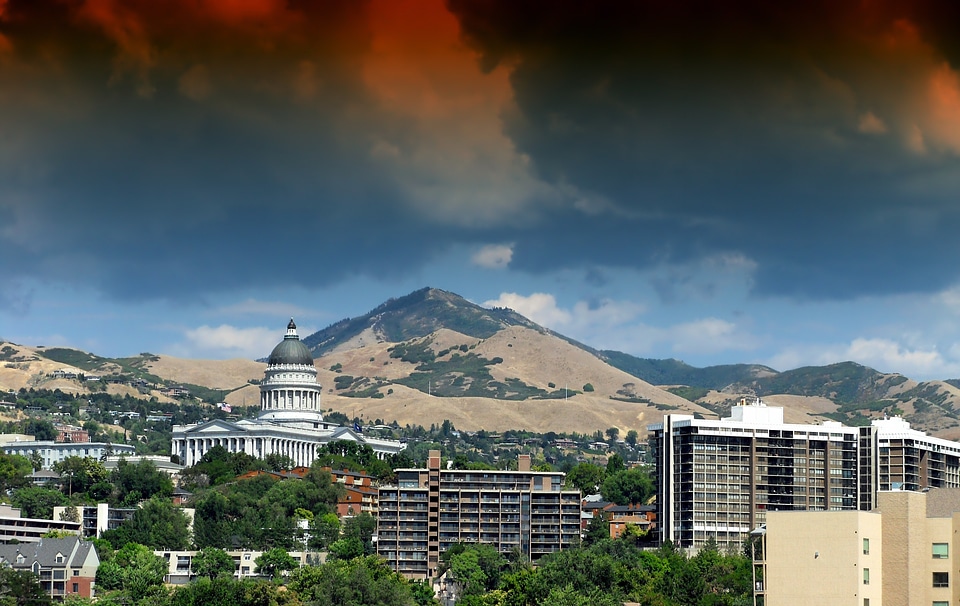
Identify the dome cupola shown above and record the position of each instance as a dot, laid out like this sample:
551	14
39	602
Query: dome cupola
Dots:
290	351
289	392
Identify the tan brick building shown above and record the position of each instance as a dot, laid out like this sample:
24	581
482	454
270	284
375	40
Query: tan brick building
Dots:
431	509
900	554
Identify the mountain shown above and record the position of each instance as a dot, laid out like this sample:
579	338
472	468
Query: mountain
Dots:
432	355
675	372
417	315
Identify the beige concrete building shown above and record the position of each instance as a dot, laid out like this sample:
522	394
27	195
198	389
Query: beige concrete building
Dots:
900	554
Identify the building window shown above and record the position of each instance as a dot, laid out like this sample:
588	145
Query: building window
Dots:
941	579
941	551
866	576
941	603
866	601
76	587
866	547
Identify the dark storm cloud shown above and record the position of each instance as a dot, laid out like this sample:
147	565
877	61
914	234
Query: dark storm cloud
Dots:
168	149
820	139
172	149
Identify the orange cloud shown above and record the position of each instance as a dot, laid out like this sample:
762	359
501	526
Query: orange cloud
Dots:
453	162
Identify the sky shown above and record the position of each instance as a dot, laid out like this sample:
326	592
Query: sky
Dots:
716	182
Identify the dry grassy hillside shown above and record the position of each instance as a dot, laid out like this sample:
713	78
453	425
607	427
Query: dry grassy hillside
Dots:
215	374
22	367
537	359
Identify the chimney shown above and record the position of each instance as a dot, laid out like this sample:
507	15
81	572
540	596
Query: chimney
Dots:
523	462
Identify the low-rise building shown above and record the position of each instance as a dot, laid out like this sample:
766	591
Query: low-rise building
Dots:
162	463
64	567
30	530
180	563
70	433
52	453
901	553
361	496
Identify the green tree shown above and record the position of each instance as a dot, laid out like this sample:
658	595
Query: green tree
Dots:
346	548
631	486
36	502
586	477
465	569
598	528
485	557
134	569
366	580
568	596
615	464
135	482
274	563
632	437
361	527
278	462
324	530
226	591
211	562
79	474
36	460
14	470
157	524
41	429
21	588
613	433
422	593
109	575
70	514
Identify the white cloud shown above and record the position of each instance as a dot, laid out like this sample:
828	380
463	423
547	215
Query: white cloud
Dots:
614	325
227	341
707	335
884	355
540	307
493	256
890	356
951	299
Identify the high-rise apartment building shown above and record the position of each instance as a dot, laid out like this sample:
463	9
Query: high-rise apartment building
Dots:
429	510
717	479
908	459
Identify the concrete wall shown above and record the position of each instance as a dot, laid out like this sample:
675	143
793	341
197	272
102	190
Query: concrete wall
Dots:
817	558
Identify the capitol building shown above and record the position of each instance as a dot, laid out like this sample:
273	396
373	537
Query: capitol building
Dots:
290	422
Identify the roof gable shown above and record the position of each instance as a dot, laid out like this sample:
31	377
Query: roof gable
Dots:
345	433
214	426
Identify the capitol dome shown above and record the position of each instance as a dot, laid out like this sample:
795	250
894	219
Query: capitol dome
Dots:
290	351
289	392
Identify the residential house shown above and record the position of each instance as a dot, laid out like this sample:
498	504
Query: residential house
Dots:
64	567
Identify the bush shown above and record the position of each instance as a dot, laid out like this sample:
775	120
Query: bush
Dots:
588	387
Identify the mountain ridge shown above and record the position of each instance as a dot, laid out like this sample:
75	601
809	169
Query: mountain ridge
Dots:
432	354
